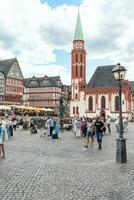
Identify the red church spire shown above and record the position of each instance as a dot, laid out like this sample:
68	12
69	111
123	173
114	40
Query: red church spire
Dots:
78	75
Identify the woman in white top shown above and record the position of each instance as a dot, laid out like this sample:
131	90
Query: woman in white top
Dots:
3	137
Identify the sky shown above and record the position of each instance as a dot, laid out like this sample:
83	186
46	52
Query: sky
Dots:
39	33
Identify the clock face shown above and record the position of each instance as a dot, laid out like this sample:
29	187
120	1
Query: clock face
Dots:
77	45
81	45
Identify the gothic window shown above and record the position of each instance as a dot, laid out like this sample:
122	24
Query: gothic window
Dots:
117	103
76	71
74	110
81	71
77	110
76	96
103	102
76	58
90	103
81	58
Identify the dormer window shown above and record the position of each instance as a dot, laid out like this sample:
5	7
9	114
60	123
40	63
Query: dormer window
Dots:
33	82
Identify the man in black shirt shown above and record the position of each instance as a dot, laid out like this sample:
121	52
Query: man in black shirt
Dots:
99	125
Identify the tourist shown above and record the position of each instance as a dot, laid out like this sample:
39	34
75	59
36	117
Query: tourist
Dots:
3	137
105	125
125	124
90	131
84	126
108	121
56	131
78	128
51	126
117	124
31	125
99	125
47	125
21	123
75	126
11	127
14	124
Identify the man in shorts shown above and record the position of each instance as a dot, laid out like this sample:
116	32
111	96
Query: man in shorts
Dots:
99	125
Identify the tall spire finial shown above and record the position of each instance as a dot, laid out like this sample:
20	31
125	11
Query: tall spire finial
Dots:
78	30
79	8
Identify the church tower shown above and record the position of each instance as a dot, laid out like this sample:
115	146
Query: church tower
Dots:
78	62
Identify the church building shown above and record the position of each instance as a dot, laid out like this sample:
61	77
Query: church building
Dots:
98	97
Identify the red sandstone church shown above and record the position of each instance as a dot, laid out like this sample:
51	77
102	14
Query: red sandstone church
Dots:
100	95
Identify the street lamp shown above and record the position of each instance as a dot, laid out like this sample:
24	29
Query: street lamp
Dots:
121	155
61	110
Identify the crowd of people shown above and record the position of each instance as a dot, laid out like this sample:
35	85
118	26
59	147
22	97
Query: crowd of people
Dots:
7	127
87	127
98	126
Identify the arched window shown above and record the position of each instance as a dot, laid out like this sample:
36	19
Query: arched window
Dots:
74	110
103	102
76	57
81	71
76	71
117	103
81	58
76	96
77	110
90	103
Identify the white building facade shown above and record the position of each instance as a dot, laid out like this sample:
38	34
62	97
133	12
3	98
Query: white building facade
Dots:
100	96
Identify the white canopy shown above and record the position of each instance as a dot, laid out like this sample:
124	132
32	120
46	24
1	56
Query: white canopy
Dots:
4	107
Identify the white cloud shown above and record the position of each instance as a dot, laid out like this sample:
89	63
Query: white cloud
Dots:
31	31
50	70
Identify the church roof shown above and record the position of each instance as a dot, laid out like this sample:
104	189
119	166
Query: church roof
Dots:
78	30
6	65
42	82
103	77
132	85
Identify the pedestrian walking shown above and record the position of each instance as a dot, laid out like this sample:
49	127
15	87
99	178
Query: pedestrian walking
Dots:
31	125
21	123
78	128
11	127
56	131
90	133
51	126
84	126
14	124
75	126
108	122
105	125
125	124
3	137
117	124
99	125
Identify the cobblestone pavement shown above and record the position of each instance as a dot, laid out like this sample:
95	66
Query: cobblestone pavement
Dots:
43	169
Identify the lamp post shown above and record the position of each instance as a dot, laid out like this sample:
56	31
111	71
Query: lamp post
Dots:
61	110
121	155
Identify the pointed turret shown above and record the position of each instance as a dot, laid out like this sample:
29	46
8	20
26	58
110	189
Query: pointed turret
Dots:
78	30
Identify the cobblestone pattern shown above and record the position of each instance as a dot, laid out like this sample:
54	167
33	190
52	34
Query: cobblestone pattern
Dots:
38	168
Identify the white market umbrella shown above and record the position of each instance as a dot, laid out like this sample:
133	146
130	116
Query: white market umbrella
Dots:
4	107
49	110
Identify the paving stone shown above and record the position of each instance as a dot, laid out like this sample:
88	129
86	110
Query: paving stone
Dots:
38	168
